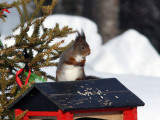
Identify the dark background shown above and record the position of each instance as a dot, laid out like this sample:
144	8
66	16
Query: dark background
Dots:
116	16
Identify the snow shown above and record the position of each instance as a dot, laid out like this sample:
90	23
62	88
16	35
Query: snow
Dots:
11	20
128	53
145	87
78	23
129	57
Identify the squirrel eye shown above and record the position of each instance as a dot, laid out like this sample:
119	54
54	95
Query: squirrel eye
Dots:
82	47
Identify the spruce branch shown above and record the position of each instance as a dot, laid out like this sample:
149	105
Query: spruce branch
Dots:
40	56
20	116
37	42
25	10
38	8
38	50
21	16
5	5
48	9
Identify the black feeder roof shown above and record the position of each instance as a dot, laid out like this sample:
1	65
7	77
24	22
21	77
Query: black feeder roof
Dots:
77	95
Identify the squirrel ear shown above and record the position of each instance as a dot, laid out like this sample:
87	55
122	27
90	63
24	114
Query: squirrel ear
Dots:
80	38
83	35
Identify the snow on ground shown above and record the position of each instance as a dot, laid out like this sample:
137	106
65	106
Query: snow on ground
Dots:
129	57
145	87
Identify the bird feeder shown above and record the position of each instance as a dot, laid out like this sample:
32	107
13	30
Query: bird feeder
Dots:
100	99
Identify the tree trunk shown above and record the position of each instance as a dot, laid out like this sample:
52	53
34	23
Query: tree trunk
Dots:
106	14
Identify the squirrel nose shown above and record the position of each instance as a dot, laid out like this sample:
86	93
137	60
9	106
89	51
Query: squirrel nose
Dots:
89	52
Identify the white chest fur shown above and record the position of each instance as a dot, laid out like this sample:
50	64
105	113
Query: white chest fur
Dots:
79	58
70	72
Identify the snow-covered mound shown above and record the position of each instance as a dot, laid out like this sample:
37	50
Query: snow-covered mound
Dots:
129	53
78	23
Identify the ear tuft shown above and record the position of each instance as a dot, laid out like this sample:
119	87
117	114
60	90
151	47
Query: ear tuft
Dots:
83	35
80	38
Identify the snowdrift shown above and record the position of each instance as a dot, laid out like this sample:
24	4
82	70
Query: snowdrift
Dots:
128	53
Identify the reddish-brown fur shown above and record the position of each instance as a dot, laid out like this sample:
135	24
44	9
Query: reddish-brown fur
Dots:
72	61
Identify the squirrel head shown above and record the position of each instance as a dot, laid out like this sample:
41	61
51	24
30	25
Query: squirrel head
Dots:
81	46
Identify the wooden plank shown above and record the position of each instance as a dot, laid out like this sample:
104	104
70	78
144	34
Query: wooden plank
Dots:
42	117
117	115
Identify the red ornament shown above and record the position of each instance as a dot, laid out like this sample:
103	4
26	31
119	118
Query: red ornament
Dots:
4	10
18	79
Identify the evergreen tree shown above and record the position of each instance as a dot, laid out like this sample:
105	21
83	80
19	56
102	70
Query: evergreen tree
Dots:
29	52
5	6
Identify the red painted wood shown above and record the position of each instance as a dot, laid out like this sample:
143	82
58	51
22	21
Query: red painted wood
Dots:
64	115
102	110
130	114
41	113
17	112
60	114
36	113
25	118
69	116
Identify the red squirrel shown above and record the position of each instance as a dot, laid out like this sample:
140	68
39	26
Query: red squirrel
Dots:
72	61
